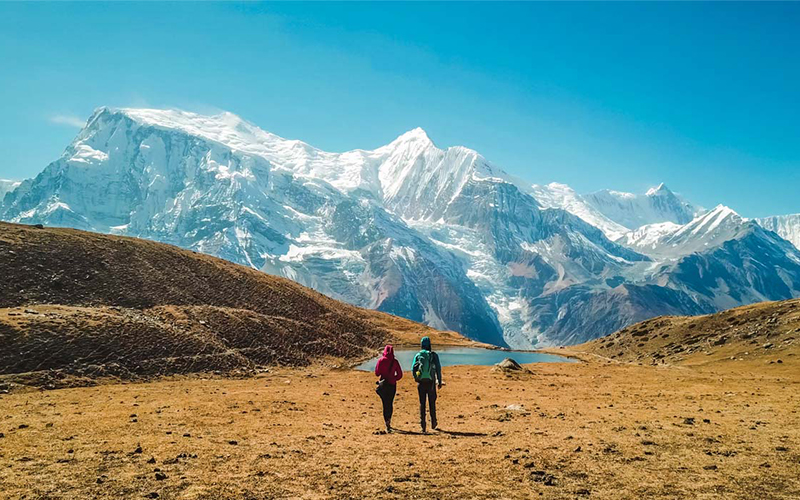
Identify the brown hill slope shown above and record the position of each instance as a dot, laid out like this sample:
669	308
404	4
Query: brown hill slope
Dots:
90	304
767	332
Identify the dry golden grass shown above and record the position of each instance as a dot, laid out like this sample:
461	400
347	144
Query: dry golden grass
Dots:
767	332
589	430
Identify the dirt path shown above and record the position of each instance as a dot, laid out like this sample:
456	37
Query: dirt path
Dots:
590	430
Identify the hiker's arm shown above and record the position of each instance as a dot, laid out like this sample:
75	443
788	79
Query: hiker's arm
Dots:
438	370
399	370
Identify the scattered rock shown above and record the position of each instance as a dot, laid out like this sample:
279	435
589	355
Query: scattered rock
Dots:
233	442
160	476
509	364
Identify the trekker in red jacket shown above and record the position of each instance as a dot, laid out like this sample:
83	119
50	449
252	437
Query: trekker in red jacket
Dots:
388	372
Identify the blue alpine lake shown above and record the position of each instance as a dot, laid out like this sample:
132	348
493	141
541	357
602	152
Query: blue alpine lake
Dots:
451	356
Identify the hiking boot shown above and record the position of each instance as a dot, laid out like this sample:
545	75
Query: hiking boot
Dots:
434	425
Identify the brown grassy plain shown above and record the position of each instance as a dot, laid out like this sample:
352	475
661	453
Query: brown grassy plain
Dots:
589	430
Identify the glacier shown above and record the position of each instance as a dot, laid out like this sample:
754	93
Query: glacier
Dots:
441	236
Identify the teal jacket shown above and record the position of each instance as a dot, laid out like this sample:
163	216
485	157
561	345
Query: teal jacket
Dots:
436	368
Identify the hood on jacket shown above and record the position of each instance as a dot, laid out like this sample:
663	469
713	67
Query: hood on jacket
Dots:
388	352
426	343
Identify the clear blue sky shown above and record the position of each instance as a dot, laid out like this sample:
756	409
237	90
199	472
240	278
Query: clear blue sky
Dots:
705	97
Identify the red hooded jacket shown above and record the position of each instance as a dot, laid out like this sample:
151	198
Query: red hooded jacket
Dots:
388	368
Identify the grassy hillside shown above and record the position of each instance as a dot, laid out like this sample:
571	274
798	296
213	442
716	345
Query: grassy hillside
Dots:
767	332
86	305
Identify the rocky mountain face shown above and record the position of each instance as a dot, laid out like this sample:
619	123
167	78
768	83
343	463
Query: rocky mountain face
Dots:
440	236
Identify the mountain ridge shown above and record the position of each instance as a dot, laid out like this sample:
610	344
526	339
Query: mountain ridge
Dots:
440	236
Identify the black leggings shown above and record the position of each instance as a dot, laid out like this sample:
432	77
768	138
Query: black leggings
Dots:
387	398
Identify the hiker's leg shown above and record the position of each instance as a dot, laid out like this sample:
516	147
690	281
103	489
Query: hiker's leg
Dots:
388	407
432	404
384	401
422	395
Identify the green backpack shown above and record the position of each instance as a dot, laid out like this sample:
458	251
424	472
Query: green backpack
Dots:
423	365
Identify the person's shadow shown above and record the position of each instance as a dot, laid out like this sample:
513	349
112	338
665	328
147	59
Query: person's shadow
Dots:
462	433
441	431
395	430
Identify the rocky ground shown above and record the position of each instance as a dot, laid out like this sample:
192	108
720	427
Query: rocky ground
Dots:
588	430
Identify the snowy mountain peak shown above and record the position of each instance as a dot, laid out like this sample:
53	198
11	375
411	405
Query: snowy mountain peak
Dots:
658	204
710	221
415	134
705	231
225	128
660	190
722	211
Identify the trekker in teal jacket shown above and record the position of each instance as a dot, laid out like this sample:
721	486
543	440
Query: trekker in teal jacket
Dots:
427	372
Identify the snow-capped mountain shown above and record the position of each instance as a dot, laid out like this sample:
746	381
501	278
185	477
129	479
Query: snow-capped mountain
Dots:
787	227
436	235
632	211
221	186
705	231
555	195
